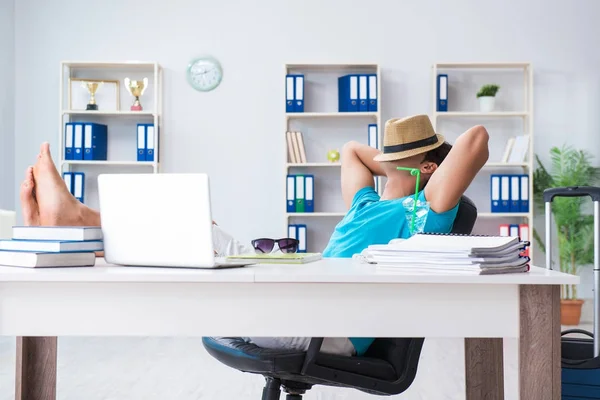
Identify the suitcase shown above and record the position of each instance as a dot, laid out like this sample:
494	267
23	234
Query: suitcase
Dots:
580	357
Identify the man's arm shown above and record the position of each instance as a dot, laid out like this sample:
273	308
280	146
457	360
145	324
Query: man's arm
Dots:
358	169
448	183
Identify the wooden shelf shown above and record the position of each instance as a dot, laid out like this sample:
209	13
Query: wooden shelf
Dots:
113	163
502	215
507	165
491	65
332	115
317	214
319	164
109	113
477	114
330	67
111	64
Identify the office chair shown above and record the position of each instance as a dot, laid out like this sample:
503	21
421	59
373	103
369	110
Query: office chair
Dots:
389	366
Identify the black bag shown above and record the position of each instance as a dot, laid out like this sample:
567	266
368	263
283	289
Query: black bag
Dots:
580	357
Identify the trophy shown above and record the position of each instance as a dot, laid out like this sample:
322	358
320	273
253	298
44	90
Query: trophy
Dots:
136	89
92	88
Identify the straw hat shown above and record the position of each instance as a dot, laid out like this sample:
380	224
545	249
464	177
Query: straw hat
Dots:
406	137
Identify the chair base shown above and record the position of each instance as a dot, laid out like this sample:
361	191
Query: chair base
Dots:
272	390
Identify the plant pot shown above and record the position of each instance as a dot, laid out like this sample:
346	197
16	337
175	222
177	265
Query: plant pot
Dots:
570	312
487	103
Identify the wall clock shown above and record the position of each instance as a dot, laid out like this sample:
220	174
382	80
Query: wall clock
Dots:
204	74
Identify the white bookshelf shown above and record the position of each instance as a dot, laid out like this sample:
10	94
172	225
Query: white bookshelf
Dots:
325	128
523	75
121	121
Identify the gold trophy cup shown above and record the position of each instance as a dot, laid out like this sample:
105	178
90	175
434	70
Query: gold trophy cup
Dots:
92	88
136	89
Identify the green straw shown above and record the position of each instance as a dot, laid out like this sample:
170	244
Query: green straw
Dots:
414	172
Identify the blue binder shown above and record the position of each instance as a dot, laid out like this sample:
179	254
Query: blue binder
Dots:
524	194
309	193
515	197
495	193
302	234
78	185
348	93
291	194
442	92
299	93
78	141
68	178
373	136
363	93
69	152
141	142
504	193
372	87
289	93
95	141
292	231
151	142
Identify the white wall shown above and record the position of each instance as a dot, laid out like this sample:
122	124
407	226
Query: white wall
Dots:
7	108
231	132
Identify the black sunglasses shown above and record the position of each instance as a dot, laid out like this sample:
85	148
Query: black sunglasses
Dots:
266	245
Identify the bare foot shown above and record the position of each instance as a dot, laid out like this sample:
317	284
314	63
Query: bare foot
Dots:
29	207
56	204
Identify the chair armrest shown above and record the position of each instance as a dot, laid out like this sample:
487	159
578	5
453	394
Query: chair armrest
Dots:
311	354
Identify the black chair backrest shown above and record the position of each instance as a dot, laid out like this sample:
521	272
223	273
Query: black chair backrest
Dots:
404	353
465	217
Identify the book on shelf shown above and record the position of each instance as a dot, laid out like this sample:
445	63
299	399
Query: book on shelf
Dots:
357	93
296	149
516	149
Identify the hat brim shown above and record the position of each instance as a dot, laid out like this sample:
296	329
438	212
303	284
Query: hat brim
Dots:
409	153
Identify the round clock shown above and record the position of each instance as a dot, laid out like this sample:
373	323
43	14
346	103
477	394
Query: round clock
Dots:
204	74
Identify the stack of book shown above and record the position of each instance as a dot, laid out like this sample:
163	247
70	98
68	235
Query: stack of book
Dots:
37	246
448	253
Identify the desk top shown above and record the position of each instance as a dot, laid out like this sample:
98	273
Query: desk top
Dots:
329	270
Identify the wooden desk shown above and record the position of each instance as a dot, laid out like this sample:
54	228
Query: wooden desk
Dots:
332	297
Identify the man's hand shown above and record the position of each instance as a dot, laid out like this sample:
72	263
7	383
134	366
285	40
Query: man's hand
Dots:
450	180
358	169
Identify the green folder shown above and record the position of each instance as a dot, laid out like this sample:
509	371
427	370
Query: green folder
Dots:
277	258
300	191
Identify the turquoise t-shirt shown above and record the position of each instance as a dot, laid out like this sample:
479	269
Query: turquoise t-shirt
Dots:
374	221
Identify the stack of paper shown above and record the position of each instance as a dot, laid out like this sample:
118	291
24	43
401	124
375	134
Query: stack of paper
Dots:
451	253
36	246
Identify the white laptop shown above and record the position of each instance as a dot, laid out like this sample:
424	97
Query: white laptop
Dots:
159	220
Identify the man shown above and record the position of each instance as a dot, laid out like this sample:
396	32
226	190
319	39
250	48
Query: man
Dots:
446	172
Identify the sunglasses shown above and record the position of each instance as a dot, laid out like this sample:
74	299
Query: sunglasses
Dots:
265	245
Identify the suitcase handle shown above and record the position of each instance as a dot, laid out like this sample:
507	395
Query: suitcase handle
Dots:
572	191
579	191
581	331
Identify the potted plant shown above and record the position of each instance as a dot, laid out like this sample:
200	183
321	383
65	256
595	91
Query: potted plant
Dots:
575	227
487	97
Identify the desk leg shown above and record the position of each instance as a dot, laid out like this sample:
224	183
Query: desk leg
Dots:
484	369
539	343
36	368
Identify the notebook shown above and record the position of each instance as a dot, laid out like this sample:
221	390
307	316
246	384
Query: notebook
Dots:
50	246
61	233
39	260
450	253
453	243
278	258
